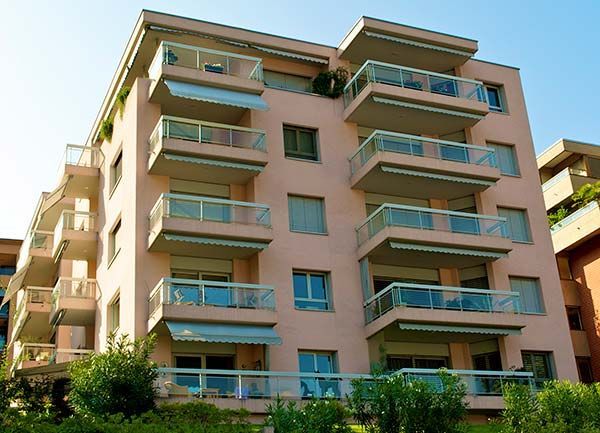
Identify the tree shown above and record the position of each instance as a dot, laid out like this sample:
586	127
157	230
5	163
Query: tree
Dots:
393	404
119	380
586	194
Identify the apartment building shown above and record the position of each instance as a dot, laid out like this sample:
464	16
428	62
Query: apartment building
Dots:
565	167
282	242
9	248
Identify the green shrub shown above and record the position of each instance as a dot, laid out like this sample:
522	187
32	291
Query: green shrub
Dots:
390	404
106	129
556	217
121	99
331	83
317	416
586	194
119	380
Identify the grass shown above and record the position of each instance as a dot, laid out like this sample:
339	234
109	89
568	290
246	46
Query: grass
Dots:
473	429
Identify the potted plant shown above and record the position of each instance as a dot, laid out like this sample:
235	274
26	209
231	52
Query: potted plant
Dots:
214	67
331	83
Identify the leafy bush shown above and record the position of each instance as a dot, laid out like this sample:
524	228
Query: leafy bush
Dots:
317	416
119	380
106	129
122	98
390	404
556	217
561	407
586	194
331	83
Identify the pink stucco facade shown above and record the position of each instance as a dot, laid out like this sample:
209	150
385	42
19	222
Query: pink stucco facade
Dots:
127	267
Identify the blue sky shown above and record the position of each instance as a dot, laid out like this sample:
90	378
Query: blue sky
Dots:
60	56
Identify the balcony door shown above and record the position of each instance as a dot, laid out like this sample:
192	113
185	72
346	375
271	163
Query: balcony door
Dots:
201	294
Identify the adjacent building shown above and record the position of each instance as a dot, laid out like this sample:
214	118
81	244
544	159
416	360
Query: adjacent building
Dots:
9	248
566	167
282	242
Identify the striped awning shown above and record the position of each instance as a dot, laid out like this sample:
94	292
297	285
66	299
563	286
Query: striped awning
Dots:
458	329
216	95
215	241
436	176
223	333
213	162
16	281
437	110
447	250
291	55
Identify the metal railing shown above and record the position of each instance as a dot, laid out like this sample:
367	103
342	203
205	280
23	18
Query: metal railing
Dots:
244	384
204	59
38	352
479	382
206	132
430	219
40	239
209	209
384	141
564	173
176	291
82	156
73	288
440	298
378	72
69	355
73	220
590	207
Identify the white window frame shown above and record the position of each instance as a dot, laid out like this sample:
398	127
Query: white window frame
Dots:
494	108
327	301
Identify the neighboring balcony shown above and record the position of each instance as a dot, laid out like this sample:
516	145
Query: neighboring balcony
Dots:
74	302
577	228
206	152
392	97
426	304
208	227
80	171
414	166
558	189
207	84
211	301
431	238
28	355
75	236
36	265
31	315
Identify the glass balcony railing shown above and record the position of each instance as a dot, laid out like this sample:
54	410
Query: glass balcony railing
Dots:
393	215
244	384
562	175
384	141
175	291
590	207
44	354
73	220
40	239
440	298
206	132
209	209
72	288
207	60
400	76
82	156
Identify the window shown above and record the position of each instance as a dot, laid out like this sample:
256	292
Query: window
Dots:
116	171
306	214
280	80
475	277
506	159
540	364
494	95
518	225
584	368
300	143
530	294
114	241
320	363
395	362
574	318
114	313
311	291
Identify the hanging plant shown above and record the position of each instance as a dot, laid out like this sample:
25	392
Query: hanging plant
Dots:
121	99
106	129
331	83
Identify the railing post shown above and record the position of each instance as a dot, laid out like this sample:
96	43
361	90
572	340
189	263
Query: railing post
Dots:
203	294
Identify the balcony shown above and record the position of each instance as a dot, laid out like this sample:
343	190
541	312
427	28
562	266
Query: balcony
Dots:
74	302
209	227
29	355
206	84
206	152
80	170
31	314
75	236
36	264
211	301
431	238
418	303
414	166
558	189
252	388
577	228
396	98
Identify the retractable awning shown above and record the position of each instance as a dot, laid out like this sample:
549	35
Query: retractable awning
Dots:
447	250
223	333
216	95
458	329
16	282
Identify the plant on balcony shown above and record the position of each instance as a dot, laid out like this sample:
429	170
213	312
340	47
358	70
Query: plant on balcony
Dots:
561	407
118	380
331	83
390	404
106	129
122	98
586	194
556	217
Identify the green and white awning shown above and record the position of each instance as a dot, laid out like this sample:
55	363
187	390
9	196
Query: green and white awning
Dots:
223	333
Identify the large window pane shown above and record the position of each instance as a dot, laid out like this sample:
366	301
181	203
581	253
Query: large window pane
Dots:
306	214
300	143
529	289
300	286
540	364
311	291
280	80
505	159
518	225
